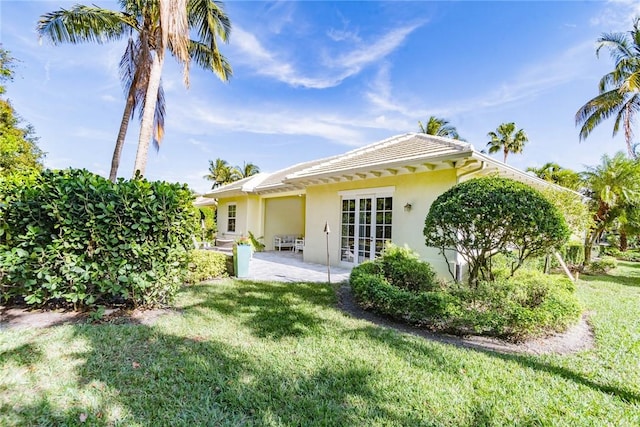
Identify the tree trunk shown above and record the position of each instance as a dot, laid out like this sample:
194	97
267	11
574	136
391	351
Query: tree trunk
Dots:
624	243
506	153
628	134
146	125
588	246
122	133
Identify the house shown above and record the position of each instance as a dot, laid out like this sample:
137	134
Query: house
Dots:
367	196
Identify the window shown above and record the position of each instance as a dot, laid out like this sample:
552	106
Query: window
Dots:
231	218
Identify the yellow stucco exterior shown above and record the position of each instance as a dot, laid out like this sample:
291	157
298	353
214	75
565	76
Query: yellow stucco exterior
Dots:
283	216
306	215
417	189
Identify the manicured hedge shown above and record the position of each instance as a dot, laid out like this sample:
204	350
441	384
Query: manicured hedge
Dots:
526	305
76	237
207	264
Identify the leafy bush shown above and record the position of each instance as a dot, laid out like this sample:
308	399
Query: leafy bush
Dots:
631	255
526	305
76	237
602	265
208	225
402	268
206	264
484	217
573	253
256	243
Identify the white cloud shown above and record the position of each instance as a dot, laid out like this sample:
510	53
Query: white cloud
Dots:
207	118
202	146
343	35
528	84
617	15
109	98
268	63
83	133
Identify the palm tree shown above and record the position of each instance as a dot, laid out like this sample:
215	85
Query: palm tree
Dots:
507	139
221	173
439	127
139	21
555	173
247	170
619	90
613	187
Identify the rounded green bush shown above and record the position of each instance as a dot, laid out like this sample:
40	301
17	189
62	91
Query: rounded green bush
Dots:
484	217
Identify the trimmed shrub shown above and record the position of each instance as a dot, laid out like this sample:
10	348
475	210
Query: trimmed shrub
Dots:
630	255
602	265
76	237
487	216
526	305
402	268
573	253
206	265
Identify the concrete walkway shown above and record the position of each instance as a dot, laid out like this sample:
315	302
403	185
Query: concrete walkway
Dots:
286	266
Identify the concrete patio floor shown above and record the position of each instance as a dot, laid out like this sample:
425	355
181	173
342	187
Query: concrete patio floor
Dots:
287	266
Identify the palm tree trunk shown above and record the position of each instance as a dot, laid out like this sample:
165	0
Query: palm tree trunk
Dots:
122	133
506	153
624	242
628	135
146	125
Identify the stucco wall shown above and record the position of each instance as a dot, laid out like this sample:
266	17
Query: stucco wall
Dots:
283	216
248	217
223	210
418	189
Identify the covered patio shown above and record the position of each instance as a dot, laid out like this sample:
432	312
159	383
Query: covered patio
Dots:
287	266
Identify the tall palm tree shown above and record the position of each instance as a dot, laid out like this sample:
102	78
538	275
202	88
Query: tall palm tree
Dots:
140	23
439	127
247	170
555	173
219	172
613	187
507	139
619	90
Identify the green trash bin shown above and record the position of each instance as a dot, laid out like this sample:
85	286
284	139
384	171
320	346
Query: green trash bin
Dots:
241	259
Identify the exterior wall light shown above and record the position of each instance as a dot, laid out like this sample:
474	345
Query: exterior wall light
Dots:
407	207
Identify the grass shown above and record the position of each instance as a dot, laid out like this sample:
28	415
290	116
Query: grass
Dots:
245	353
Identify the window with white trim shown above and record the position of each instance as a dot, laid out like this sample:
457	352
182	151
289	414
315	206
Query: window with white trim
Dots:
231	218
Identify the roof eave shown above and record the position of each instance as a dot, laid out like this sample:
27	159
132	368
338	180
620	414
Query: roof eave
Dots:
409	162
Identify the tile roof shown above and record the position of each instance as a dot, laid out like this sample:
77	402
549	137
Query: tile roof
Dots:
400	149
242	185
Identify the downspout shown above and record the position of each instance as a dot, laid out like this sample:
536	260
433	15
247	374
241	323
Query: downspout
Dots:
482	166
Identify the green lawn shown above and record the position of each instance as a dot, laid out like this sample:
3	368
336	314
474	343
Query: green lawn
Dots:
243	353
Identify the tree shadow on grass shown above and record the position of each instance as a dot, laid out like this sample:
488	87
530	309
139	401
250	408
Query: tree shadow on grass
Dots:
611	278
138	375
405	346
269	310
24	355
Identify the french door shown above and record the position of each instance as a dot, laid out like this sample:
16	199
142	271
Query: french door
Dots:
366	226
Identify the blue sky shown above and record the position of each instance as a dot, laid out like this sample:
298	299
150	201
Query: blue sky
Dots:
314	79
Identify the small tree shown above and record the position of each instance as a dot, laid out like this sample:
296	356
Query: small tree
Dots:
484	217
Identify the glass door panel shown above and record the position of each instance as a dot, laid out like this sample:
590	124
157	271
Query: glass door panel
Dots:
366	226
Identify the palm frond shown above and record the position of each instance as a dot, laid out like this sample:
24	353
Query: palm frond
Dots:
209	59
598	110
209	20
82	24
